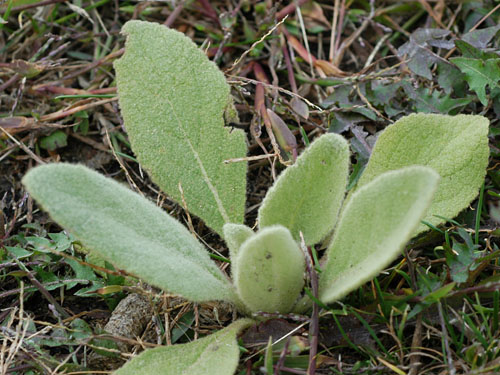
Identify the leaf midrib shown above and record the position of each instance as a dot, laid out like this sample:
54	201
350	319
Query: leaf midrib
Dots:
200	164
195	262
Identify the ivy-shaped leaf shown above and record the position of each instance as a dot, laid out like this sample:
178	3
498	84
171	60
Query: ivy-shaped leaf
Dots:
454	146
418	49
307	195
214	354
375	224
173	101
128	230
481	38
343	97
268	271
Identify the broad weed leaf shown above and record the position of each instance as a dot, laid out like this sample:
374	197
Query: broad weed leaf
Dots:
307	195
268	271
173	101
127	230
418	49
217	353
235	235
375	224
479	74
469	51
454	146
481	38
433	101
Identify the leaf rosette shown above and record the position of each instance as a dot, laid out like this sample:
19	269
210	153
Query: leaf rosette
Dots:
173	101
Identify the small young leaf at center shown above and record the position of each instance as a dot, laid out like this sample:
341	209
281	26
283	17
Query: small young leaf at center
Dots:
269	271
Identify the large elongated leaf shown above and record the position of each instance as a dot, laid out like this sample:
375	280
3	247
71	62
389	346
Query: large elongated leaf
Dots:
127	230
214	354
173	101
375	224
307	196
268	271
454	146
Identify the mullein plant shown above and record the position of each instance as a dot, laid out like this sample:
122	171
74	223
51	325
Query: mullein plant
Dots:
174	103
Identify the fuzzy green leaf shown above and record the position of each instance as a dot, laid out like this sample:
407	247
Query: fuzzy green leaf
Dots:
375	224
479	74
268	271
307	195
214	354
235	235
127	230
454	146
173	101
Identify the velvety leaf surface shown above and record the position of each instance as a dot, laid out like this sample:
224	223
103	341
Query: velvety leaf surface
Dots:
455	147
214	354
235	235
307	195
268	271
127	230
375	224
173	100
479	74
